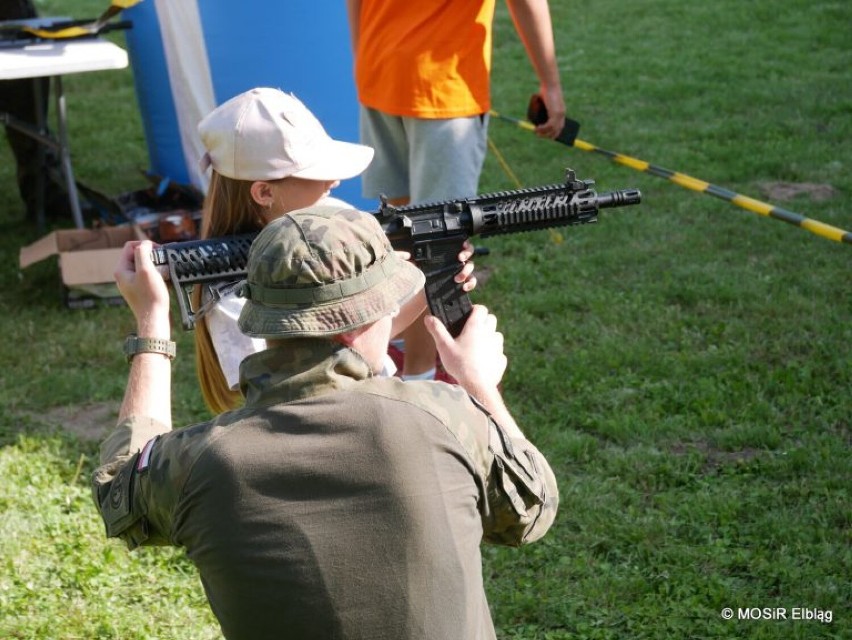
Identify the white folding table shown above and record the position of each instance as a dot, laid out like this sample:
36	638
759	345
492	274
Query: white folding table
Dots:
54	59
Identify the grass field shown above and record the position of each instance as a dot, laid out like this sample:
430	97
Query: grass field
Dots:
685	365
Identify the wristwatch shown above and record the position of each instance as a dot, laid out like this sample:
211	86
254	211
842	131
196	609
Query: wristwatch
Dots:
133	344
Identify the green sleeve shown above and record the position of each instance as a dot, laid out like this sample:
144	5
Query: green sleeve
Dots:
134	488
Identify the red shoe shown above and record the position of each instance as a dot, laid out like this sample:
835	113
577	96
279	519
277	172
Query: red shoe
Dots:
442	375
398	356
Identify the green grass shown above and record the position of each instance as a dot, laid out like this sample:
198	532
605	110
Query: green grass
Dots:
685	364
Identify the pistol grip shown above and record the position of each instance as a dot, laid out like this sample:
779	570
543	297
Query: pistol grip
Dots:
438	259
447	300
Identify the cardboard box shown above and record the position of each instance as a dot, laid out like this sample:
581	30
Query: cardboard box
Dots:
87	260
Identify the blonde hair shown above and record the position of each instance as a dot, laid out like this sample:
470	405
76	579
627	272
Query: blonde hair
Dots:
229	209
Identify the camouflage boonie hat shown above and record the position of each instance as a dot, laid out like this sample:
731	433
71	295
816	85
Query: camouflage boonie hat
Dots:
322	271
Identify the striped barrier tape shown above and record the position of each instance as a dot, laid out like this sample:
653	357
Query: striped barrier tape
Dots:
750	204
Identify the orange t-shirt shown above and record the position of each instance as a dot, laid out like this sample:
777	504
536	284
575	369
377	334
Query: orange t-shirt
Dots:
425	58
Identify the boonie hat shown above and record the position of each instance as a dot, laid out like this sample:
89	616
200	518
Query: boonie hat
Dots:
266	134
321	271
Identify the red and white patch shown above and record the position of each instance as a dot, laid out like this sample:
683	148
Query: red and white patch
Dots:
145	456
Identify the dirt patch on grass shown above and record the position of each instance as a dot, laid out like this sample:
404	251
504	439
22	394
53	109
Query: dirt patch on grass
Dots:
91	421
790	190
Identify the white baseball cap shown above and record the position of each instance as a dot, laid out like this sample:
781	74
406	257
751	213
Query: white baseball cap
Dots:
266	134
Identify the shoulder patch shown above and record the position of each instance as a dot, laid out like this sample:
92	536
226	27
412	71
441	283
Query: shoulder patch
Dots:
116	506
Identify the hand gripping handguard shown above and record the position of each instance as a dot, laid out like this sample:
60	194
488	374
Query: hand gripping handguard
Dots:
433	233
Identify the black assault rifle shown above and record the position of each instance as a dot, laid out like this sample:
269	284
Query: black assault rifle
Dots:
432	233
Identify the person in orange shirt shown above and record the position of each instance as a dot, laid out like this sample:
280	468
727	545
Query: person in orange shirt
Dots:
422	71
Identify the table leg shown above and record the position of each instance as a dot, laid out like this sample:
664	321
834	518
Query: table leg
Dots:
65	154
41	182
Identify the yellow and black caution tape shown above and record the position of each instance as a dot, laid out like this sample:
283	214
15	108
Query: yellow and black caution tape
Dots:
750	204
70	30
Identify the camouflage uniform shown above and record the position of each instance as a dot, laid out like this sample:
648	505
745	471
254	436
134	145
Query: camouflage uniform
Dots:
335	504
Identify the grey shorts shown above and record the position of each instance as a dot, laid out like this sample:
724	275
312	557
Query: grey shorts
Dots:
425	160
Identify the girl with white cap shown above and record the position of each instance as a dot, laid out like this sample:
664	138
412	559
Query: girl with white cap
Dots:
269	155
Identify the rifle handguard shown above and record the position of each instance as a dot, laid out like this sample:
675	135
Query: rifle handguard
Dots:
433	233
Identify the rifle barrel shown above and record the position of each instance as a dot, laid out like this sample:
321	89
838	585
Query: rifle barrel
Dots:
620	198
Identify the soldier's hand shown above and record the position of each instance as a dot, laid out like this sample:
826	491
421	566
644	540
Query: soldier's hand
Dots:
475	358
142	285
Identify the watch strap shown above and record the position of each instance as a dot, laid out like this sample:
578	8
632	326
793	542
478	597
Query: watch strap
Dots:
133	345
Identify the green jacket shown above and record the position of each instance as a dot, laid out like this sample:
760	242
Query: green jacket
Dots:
334	504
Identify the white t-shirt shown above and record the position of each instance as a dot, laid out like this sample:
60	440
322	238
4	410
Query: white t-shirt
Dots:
231	344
